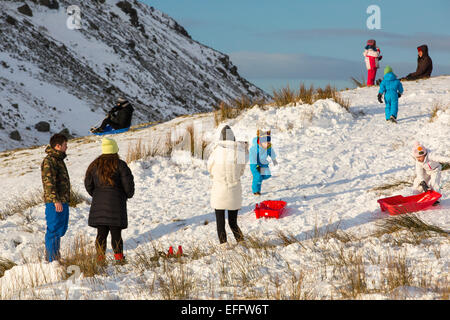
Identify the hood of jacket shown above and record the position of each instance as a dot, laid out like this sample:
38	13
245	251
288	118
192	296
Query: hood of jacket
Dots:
424	49
390	76
55	153
227	144
129	107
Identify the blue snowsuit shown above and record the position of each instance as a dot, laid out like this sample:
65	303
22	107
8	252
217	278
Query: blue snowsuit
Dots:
258	159
57	223
391	86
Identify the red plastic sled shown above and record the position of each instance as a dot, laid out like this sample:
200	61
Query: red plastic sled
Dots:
270	209
400	205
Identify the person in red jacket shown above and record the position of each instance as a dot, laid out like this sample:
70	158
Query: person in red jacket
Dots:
372	55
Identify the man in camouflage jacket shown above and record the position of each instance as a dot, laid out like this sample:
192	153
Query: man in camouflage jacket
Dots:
56	184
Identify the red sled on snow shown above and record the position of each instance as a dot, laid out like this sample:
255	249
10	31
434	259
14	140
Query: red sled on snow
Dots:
270	209
400	205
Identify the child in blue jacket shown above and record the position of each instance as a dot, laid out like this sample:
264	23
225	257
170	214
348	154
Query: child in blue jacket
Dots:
259	165
392	89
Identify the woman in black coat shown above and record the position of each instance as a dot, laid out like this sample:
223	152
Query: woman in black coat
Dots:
110	183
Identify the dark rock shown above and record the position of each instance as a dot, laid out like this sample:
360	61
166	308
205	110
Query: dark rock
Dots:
5	65
131	44
11	20
26	10
126	7
66	132
15	105
93	25
223	72
42	126
15	135
234	71
51	4
181	30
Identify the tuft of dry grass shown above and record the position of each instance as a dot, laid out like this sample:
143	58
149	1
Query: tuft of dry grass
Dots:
394	185
161	145
417	230
5	265
306	95
77	198
83	256
21	204
437	106
445	166
176	283
233	108
286	96
357	83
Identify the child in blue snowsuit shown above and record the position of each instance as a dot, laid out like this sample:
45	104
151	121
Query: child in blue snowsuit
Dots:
392	89
259	165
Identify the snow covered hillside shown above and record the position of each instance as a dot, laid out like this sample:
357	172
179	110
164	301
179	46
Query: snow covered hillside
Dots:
332	168
69	77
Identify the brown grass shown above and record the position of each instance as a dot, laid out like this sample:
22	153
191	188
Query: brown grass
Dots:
5	265
234	107
83	255
437	106
357	83
286	96
409	229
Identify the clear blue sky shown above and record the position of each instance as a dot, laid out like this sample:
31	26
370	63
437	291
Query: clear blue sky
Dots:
275	43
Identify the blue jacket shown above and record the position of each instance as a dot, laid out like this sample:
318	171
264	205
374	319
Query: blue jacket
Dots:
391	85
258	157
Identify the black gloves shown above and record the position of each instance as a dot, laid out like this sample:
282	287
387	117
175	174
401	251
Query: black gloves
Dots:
399	94
424	185
379	98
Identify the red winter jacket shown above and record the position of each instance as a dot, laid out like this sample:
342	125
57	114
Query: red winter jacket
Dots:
372	57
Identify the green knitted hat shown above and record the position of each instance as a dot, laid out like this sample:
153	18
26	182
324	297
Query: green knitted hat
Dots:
387	69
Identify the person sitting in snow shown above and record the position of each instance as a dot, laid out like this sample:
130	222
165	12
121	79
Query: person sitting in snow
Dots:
392	89
372	56
428	169
424	65
118	117
259	165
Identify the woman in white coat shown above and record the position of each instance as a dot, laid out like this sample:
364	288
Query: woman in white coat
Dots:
226	165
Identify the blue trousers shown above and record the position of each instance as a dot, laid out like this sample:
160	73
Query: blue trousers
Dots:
57	223
257	178
391	109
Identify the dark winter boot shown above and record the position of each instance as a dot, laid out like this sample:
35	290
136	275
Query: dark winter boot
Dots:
96	130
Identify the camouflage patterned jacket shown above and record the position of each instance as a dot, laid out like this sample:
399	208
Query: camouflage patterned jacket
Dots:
55	178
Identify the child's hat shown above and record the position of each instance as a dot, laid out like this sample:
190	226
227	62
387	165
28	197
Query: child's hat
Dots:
263	136
419	150
387	69
109	146
371	42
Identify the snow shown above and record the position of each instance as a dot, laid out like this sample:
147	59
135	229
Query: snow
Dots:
329	162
